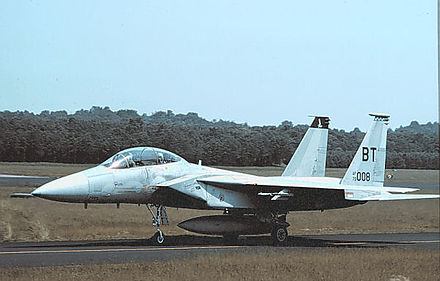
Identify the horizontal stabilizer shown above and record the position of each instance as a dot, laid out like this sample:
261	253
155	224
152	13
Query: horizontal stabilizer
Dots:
386	196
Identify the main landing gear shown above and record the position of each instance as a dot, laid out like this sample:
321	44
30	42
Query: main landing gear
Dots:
279	230
279	226
279	235
160	218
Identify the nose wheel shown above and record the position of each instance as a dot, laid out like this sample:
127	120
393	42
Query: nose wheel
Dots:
160	218
158	237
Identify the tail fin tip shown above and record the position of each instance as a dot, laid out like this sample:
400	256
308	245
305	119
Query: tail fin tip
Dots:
381	116
320	121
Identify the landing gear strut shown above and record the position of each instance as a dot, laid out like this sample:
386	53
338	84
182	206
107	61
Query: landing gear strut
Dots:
160	218
279	226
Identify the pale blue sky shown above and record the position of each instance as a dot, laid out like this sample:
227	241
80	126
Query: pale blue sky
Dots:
259	62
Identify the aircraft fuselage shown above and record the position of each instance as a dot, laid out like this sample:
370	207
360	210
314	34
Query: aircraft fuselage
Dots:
139	185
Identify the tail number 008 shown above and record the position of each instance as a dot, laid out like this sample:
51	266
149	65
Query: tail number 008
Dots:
363	176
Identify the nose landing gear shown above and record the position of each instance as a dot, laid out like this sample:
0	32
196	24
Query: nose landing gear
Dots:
160	218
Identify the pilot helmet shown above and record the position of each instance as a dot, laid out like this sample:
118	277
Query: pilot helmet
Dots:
160	157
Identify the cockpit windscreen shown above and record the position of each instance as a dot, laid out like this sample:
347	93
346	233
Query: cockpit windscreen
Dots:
140	156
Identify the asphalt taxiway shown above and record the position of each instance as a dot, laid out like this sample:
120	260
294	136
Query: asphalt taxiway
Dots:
26	254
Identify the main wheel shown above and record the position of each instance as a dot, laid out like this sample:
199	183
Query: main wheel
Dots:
279	235
158	238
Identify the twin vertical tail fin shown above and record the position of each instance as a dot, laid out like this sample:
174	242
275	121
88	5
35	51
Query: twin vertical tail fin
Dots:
310	156
368	165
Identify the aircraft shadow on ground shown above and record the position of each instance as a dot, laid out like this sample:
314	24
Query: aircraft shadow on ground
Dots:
193	240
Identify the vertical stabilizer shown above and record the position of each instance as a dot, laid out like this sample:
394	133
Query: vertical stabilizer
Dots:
368	165
310	156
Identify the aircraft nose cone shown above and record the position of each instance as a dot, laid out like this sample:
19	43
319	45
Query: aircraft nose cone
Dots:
72	188
36	192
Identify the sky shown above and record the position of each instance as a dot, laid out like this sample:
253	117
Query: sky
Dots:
259	62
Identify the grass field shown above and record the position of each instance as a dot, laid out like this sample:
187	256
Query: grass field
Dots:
395	264
38	219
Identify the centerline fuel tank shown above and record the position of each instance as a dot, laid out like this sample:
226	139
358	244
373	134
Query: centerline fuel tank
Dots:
226	224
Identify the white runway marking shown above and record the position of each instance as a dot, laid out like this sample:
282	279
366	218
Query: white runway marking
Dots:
114	250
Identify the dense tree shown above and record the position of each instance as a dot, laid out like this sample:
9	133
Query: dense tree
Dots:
91	136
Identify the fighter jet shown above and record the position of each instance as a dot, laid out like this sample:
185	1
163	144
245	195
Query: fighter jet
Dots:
250	204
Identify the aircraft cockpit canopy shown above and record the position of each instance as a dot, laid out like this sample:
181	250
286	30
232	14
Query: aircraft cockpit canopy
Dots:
140	156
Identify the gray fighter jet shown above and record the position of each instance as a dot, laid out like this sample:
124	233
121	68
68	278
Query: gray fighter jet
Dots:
251	204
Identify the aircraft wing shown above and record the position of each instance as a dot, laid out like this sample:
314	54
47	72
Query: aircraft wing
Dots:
237	191
248	183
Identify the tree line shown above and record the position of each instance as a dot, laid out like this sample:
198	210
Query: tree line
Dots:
91	136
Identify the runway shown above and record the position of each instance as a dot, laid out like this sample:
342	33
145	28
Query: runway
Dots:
27	254
19	180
